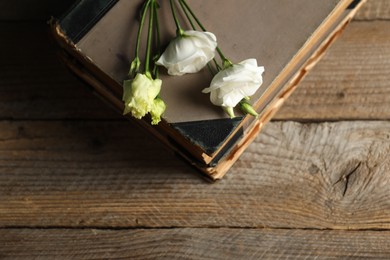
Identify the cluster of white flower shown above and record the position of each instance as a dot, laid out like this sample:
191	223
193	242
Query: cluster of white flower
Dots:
190	52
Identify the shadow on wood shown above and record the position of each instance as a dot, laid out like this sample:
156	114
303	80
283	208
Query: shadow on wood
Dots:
22	10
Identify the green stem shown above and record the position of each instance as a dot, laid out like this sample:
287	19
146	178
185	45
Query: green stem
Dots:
179	30
187	15
226	62
217	65
157	24
150	37
193	14
158	38
145	9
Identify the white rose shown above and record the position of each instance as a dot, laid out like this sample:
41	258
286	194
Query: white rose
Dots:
234	83
188	53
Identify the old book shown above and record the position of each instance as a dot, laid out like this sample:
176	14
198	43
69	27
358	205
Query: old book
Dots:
97	39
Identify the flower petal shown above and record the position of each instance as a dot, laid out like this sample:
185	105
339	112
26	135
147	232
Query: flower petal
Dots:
235	83
188	53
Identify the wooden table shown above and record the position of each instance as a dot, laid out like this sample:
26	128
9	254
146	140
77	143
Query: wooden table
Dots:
78	181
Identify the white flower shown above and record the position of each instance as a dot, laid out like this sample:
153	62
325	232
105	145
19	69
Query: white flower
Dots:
188	53
139	94
234	83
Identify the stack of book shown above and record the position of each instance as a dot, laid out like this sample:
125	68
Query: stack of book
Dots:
96	40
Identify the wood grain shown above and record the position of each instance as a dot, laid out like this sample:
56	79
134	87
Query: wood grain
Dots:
69	164
192	244
374	10
108	174
350	82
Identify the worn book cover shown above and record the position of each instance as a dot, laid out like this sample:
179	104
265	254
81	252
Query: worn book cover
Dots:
286	37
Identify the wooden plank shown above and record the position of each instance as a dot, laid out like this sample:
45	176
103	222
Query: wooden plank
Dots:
350	82
374	10
33	82
192	244
108	174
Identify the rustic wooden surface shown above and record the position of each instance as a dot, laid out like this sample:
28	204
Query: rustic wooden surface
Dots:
79	182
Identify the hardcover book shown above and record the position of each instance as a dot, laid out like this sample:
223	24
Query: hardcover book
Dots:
97	37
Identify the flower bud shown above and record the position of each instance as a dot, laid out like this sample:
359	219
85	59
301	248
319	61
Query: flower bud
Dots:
134	67
246	108
229	111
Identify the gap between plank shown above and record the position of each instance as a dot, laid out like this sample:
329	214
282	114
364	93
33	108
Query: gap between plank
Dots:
181	227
